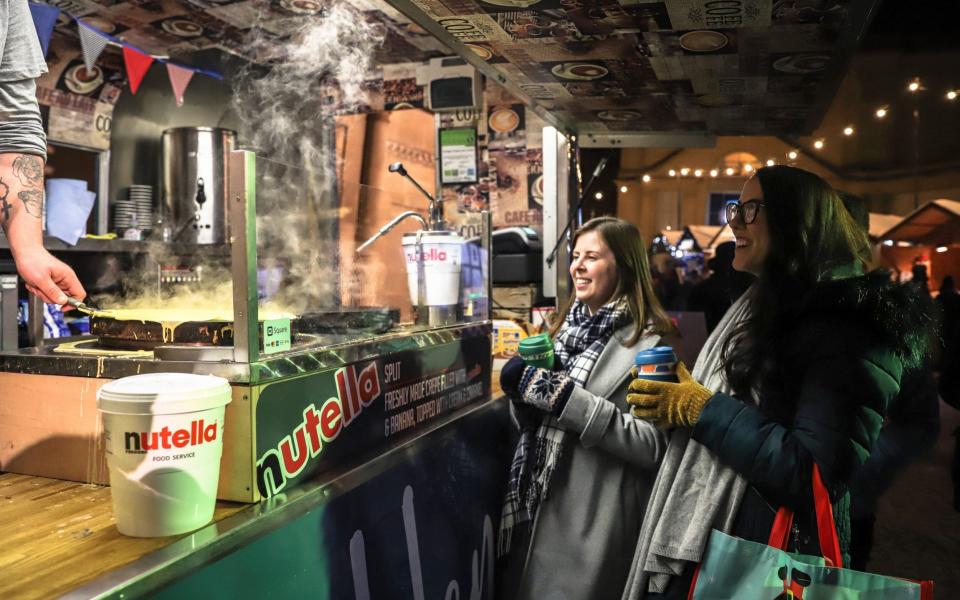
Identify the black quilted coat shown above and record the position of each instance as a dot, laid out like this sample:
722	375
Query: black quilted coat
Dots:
836	368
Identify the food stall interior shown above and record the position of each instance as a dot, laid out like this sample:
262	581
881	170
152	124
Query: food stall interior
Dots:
309	239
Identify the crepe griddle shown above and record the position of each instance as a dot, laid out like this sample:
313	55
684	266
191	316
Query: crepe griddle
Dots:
145	334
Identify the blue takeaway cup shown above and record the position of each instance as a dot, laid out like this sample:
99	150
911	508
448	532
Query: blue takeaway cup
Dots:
657	364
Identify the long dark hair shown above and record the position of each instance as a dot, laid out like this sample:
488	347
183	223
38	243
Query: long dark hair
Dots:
811	234
634	282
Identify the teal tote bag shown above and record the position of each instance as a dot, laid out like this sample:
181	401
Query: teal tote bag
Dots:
736	568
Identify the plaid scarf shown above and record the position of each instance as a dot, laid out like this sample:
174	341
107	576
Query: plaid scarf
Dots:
577	347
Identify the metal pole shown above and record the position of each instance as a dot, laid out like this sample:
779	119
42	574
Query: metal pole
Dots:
486	242
916	153
35	310
241	192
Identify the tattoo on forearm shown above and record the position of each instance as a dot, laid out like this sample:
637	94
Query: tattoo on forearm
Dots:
4	205
32	202
29	170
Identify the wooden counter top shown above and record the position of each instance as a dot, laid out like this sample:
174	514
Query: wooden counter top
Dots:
57	535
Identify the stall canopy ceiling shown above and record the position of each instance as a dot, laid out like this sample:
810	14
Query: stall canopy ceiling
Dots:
722	67
725	67
936	223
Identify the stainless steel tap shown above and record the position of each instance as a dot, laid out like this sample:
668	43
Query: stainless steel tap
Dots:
436	207
393	223
435	222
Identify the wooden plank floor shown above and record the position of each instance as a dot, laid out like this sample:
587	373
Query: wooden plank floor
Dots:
57	535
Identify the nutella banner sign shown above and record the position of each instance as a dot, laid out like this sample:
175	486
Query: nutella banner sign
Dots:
719	14
306	425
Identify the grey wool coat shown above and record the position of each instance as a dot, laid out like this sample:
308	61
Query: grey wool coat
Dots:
586	529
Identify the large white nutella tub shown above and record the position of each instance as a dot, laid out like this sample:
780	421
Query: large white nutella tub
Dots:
164	437
441	266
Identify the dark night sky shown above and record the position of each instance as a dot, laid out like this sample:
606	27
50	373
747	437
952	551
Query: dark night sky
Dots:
914	26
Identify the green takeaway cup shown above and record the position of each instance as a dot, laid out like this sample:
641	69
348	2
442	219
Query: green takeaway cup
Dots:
537	351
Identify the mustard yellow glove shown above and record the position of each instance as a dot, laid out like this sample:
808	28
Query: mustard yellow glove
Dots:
668	404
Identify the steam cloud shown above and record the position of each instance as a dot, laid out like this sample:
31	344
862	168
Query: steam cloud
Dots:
287	113
286	104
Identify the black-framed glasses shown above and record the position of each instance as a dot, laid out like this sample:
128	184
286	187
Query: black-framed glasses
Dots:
748	210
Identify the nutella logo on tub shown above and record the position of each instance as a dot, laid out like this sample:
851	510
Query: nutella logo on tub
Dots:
165	439
433	254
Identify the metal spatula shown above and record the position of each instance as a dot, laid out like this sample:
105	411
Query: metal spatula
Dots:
86	308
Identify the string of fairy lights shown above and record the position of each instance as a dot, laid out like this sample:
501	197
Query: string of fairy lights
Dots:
746	168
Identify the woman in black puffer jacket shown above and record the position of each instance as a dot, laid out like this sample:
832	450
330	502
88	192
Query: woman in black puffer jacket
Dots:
812	366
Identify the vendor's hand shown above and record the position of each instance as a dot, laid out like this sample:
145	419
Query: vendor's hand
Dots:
48	278
510	375
668	404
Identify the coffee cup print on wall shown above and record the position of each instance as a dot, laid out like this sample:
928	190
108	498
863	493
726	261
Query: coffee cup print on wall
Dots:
482	51
79	80
801	63
619	115
504	120
703	41
517	4
535	183
300	7
181	27
579	71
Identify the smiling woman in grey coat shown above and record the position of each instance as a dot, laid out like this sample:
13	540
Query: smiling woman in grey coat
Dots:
583	467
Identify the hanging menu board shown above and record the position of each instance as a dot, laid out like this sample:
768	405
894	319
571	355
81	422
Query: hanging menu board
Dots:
458	155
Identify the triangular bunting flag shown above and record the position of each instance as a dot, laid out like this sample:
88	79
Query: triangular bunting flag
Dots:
137	65
179	79
44	18
93	42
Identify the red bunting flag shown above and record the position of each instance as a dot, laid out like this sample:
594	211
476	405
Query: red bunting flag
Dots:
137	65
179	79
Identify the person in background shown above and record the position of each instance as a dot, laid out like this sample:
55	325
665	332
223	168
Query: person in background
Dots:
22	156
812	365
910	430
919	276
714	295
666	282
948	303
583	466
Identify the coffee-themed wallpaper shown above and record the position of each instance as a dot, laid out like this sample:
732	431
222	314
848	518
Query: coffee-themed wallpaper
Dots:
730	67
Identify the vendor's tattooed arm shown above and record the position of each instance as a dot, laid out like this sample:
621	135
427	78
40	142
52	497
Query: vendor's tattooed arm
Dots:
4	205
32	202
21	188
28	170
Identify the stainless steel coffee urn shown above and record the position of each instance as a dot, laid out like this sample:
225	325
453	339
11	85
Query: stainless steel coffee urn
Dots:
194	188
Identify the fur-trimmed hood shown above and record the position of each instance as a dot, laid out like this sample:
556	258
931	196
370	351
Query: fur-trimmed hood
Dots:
897	314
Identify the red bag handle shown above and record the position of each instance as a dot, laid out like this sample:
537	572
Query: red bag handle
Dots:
826	526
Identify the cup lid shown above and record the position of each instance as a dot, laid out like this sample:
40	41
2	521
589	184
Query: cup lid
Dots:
163	393
656	355
535	343
438	236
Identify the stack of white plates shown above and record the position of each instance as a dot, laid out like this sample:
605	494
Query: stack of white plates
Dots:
136	211
142	198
